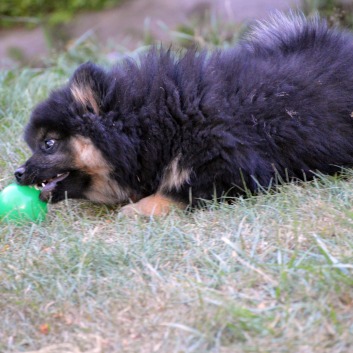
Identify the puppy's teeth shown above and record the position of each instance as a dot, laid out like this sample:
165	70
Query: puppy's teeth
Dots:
59	175
43	184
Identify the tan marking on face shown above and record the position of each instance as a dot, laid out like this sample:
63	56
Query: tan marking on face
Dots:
84	96
174	177
90	160
155	205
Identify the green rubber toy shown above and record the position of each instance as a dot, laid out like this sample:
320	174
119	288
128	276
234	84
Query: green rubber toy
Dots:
20	203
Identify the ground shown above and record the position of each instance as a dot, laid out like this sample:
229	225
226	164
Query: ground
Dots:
127	23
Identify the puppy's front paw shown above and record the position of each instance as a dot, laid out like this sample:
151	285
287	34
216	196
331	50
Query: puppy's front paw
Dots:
155	205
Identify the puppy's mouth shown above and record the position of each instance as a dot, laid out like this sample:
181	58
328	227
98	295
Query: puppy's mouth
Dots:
48	185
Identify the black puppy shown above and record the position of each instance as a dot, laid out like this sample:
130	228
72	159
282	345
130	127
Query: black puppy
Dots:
170	130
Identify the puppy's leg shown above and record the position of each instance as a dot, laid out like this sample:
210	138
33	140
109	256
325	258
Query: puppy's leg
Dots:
153	205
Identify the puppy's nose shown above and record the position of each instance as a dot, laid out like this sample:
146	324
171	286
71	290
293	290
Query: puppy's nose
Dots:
19	173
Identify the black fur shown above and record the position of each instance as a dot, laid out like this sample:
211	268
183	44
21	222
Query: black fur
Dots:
278	106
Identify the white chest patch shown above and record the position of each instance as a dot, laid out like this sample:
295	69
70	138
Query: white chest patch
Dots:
174	176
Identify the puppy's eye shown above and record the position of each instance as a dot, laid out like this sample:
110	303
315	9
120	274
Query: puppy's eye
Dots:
49	144
89	108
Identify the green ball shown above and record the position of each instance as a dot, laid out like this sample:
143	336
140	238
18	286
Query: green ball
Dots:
20	203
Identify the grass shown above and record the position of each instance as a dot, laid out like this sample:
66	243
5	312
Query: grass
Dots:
270	273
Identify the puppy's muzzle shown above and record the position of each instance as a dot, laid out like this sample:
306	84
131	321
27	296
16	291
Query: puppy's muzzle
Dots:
19	174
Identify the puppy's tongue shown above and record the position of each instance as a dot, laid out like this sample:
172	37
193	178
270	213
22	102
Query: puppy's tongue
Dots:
50	185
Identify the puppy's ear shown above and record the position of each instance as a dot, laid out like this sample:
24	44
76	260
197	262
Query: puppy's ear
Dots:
87	86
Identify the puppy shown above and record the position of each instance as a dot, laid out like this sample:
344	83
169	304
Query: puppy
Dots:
168	131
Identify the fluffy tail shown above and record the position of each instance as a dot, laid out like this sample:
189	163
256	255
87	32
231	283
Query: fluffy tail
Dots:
285	30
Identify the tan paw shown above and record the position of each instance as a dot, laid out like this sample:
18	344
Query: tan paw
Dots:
154	205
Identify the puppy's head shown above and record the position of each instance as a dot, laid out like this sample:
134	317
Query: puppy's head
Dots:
66	159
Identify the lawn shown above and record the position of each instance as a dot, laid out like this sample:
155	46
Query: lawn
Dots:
269	273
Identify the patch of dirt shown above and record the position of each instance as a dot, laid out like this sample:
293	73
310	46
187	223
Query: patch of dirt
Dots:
126	24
